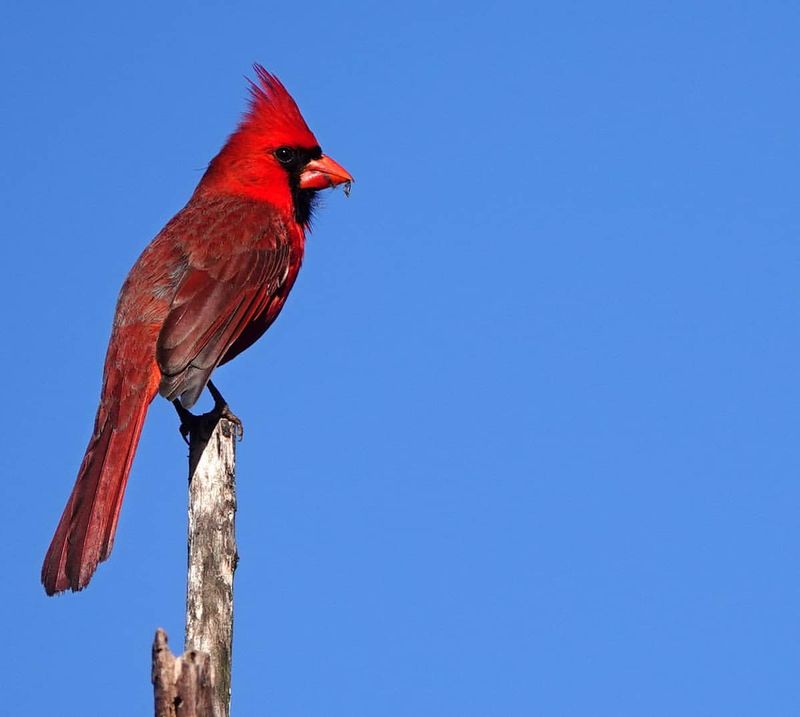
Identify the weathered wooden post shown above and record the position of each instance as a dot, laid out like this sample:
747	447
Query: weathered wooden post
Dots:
198	684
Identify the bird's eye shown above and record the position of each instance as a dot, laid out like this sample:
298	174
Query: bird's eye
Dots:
285	155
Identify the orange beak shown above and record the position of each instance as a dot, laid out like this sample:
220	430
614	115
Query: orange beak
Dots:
323	173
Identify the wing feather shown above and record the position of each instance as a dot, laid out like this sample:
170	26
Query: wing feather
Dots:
212	307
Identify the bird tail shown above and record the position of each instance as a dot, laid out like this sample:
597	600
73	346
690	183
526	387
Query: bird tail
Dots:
85	534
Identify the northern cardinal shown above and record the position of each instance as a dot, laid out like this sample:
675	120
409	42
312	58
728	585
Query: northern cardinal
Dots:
209	285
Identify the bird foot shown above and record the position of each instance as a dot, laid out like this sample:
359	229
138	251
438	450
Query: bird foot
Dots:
203	425
223	410
234	420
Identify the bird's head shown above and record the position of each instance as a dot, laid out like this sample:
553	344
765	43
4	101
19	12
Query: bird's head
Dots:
273	156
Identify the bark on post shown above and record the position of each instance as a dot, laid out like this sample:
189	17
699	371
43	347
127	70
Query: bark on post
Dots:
183	686
212	550
198	684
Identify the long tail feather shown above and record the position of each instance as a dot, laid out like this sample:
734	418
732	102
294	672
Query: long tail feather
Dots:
85	534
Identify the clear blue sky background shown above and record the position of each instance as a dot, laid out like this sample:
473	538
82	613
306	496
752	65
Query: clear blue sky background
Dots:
524	441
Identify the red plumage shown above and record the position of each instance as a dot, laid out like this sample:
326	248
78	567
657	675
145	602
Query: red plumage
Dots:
205	289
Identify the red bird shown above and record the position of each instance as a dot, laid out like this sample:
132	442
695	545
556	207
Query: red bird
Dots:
209	285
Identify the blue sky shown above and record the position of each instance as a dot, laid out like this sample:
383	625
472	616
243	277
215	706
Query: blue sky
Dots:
523	441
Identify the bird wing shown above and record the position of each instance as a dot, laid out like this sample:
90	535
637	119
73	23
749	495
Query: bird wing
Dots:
214	302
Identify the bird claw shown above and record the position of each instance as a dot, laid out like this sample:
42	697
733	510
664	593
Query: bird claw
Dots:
188	421
223	410
204	423
234	420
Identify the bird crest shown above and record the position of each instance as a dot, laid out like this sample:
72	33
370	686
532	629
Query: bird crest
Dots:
273	113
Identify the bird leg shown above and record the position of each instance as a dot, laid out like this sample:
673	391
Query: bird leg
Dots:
221	406
188	419
205	422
